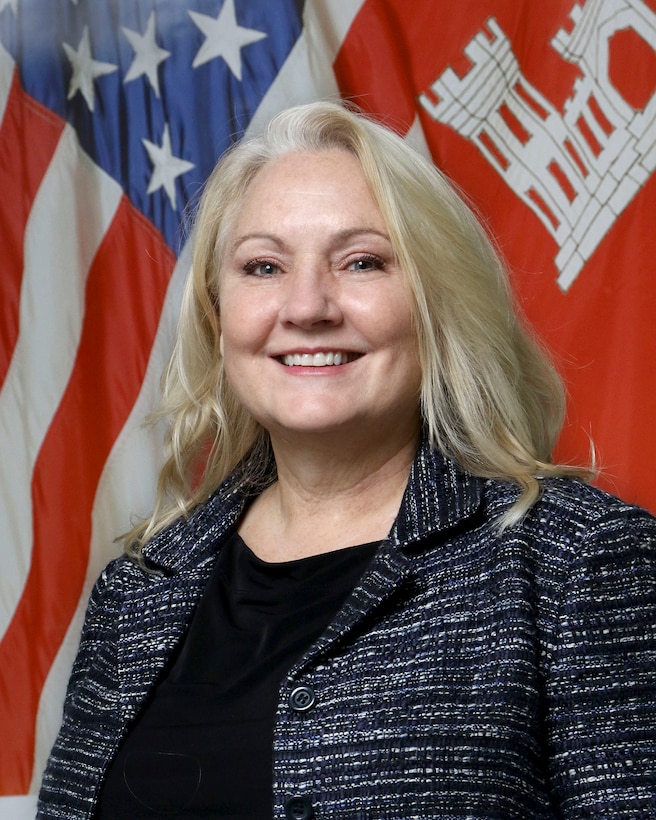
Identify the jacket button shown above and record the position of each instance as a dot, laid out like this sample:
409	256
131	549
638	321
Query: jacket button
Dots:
299	808
302	698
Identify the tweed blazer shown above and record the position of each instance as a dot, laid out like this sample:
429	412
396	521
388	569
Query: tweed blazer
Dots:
472	673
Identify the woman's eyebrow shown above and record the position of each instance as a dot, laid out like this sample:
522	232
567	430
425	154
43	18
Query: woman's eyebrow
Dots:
340	236
276	240
352	233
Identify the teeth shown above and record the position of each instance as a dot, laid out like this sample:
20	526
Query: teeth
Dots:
315	360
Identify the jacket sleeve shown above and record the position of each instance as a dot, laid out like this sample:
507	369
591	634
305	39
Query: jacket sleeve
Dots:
601	692
91	714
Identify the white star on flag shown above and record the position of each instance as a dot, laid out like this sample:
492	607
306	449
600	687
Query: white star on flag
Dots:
166	167
224	37
13	5
147	54
85	69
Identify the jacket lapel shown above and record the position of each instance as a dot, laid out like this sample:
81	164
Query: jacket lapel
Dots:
439	498
163	598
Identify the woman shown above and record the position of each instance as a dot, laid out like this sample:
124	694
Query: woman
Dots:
365	591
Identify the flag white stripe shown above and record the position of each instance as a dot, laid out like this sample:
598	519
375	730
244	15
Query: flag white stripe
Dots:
17	808
7	66
74	192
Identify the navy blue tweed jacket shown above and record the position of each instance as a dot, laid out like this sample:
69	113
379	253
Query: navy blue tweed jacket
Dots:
471	674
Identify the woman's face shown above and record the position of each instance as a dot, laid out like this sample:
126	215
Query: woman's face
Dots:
317	330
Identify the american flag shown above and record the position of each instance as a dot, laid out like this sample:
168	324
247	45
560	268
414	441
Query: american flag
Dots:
112	115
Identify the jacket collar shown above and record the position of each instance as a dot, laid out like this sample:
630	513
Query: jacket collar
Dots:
196	536
439	496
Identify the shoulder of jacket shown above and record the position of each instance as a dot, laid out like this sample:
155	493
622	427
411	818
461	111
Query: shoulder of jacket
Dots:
571	513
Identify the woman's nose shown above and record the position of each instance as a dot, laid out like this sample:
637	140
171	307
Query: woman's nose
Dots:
310	298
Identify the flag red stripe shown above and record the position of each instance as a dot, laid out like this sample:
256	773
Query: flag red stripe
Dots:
371	68
22	166
121	317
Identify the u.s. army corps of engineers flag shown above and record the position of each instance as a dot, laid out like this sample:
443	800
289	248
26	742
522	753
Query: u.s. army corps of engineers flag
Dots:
111	117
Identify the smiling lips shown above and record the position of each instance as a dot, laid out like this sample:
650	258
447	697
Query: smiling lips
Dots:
317	359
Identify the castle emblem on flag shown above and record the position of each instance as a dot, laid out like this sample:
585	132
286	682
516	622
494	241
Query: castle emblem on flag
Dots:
578	170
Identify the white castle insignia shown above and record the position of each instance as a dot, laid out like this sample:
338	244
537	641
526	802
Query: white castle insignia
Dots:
577	171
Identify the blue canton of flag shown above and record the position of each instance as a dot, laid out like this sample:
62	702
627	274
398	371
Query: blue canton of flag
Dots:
186	75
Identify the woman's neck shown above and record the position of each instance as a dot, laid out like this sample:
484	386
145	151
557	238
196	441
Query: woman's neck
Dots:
328	496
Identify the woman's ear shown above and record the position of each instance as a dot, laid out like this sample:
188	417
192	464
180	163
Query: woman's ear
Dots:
221	343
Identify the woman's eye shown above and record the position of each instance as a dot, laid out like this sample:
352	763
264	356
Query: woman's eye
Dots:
260	267
365	263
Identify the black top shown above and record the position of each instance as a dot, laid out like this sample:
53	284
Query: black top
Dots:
202	746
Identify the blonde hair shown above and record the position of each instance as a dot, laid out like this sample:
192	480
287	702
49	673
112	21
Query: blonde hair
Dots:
490	398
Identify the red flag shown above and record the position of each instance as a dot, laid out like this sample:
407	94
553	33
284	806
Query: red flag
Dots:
546	116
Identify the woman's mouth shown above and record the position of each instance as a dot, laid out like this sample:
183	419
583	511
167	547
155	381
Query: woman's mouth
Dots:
321	359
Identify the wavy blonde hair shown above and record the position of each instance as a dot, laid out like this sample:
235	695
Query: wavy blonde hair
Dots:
490	398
